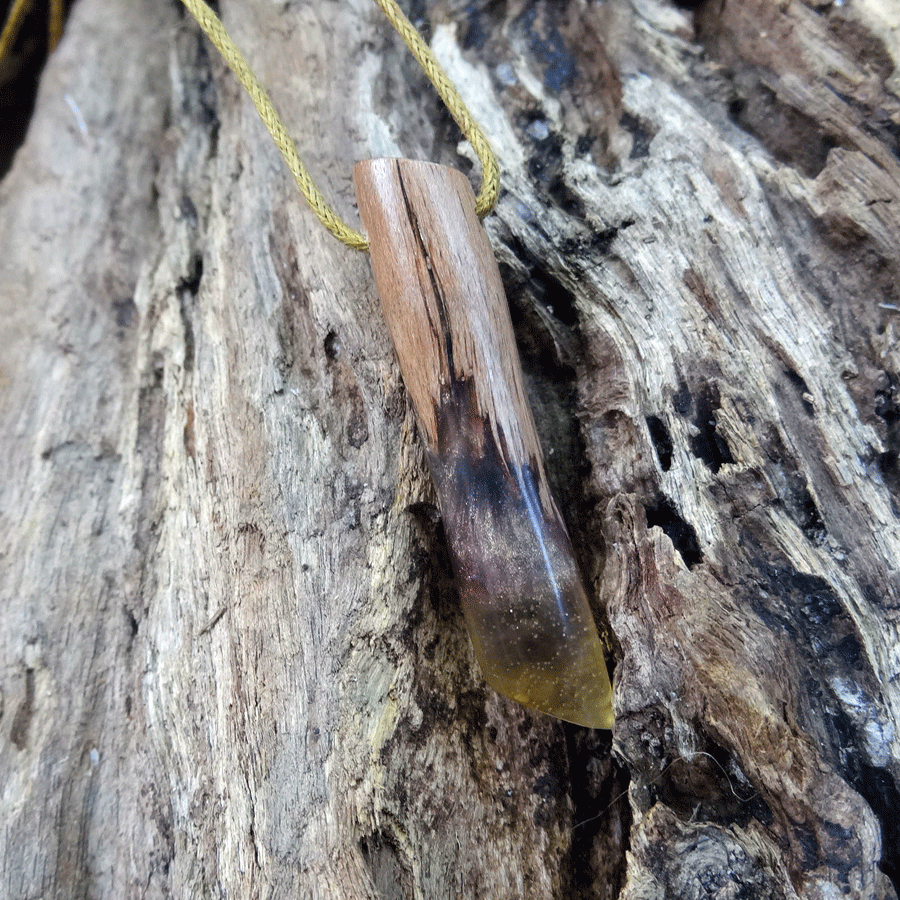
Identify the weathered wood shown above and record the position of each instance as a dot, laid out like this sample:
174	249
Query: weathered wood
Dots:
523	598
231	659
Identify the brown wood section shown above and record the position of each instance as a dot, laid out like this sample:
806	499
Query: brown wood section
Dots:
444	301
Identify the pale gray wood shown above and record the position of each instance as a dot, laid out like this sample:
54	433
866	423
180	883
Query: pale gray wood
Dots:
230	658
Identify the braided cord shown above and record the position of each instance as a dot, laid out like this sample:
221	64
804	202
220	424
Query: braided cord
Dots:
55	18
216	32
487	195
14	19
15	16
490	173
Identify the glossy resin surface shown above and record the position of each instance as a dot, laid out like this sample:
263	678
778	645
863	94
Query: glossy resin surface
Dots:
522	594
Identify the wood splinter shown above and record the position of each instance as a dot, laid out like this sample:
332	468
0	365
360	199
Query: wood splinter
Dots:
523	598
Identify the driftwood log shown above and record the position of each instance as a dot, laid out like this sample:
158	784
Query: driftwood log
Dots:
232	661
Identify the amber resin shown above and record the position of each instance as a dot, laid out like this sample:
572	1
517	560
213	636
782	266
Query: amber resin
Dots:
523	597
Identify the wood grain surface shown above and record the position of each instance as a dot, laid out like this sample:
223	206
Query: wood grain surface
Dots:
444	301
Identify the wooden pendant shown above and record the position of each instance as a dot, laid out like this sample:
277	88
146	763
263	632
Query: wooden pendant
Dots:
523	597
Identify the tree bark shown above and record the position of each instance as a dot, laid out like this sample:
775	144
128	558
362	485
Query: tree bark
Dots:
232	660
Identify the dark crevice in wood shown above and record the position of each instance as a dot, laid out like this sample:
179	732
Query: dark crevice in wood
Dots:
802	508
565	197
190	217
550	779
440	301
390	872
601	817
876	785
683	400
790	482
18	733
642	133
188	288
545	320
132	624
547	45
475	34
545	168
601	241
662	441
331	345
550	349
792	136
708	445
887	408
202	103
799	383
547	290
880	791
584	144
199	99
709	785
663	513
889	467
125	312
